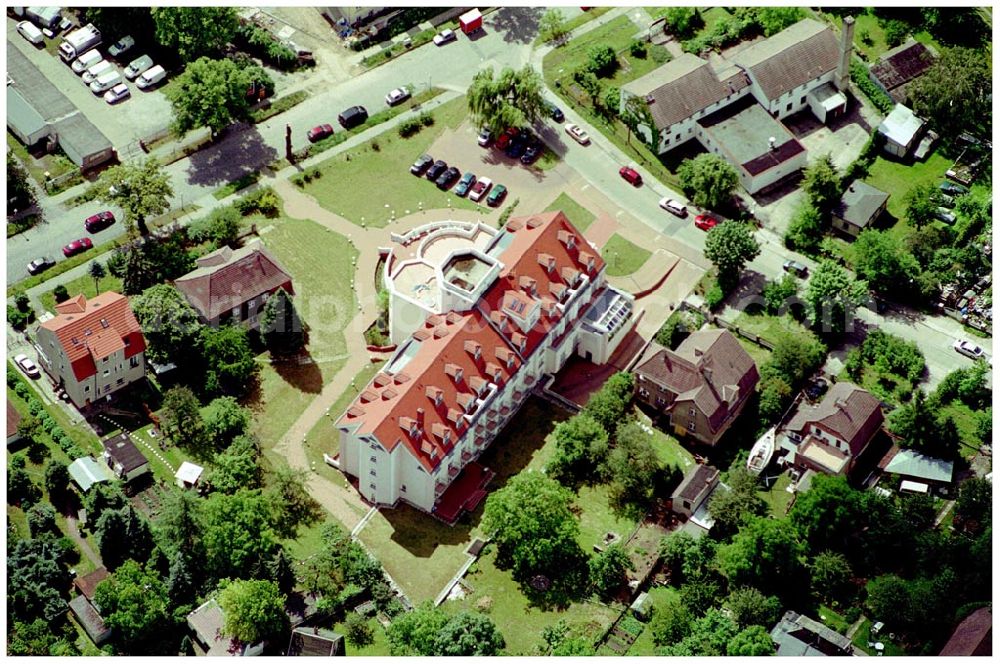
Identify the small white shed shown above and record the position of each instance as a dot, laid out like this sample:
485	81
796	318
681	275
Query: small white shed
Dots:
188	474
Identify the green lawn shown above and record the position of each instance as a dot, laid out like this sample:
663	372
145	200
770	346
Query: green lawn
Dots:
897	179
863	635
349	181
55	164
966	421
85	285
236	185
578	215
521	623
623	257
318	261
597	518
644	646
576	22
759	354
379	647
884	386
832	619
770	327
668	449
776	497
875	45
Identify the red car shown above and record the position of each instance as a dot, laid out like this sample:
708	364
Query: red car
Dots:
99	221
705	222
631	175
504	139
319	132
77	247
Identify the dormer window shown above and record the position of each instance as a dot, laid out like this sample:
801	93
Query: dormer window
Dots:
414	430
510	360
497	376
446	438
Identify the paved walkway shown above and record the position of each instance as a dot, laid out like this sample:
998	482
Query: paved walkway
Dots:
73	531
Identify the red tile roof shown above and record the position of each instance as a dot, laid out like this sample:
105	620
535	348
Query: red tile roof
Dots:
90	330
225	279
413	405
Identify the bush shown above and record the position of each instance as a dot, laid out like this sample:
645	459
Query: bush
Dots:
358	631
896	32
659	54
602	61
409	127
638	48
263	200
60	293
714	296
19	319
875	94
681	22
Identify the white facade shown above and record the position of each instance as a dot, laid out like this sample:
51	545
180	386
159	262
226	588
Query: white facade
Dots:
112	374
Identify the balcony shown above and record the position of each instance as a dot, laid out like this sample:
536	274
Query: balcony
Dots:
505	410
466	456
453	472
439	488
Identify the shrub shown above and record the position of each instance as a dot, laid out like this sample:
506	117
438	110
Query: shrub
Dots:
60	293
637	49
409	127
426	118
263	200
896	32
659	54
601	60
875	94
714	296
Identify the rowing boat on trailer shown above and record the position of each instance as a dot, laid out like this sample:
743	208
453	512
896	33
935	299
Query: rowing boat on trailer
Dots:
761	452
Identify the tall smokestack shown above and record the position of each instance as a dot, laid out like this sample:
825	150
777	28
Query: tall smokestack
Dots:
846	51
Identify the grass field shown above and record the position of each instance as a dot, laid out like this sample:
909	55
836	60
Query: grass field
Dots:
863	636
668	449
349	181
521	623
85	285
597	518
897	179
966	421
577	21
623	257
236	185
578	215
770	327
644	646
759	354
315	257
55	165
776	497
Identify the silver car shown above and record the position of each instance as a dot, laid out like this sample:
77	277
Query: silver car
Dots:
138	66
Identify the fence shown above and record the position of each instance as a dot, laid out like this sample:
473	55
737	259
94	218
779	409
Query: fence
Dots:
726	325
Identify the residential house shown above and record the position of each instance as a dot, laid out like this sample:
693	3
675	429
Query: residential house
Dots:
124	458
858	208
701	388
917	472
13	421
902	131
694	489
972	637
90	619
92	348
85	473
86	585
486	314
733	106
233	285
206	623
897	68
800	636
830	436
315	642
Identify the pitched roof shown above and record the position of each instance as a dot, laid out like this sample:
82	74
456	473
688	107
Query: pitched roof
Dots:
87	584
683	87
206	622
125	452
901	125
851	413
90	619
86	473
710	368
901	65
401	406
226	278
796	55
860	203
696	481
914	464
972	636
797	635
90	330
314	642
13	419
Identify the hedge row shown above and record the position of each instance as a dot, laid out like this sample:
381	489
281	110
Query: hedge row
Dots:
49	424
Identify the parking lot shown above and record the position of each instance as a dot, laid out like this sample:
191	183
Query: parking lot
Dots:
143	114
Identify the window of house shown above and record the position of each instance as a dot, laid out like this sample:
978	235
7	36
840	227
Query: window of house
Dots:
107	388
372	472
690	129
691	426
678	137
86	388
402	488
788	107
371	486
121	381
691	412
374	459
107	372
133	361
803	100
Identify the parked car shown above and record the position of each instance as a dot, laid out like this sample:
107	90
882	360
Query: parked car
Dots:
485	137
77	247
630	175
447	178
105	81
139	65
504	139
480	189
436	169
93	71
945	215
952	188
396	96
86	61
496	196
968	349
531	153
27	365
117	93
445	36
99	221
352	117
796	268
945	201
674	207
816	387
151	77
705	222
40	265
554	112
517	146
121	46
577	133
319	132
421	164
30	31
465	184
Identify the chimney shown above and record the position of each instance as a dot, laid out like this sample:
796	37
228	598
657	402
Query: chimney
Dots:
843	77
771	143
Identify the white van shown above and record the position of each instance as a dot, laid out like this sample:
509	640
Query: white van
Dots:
151	77
86	61
106	81
93	71
29	31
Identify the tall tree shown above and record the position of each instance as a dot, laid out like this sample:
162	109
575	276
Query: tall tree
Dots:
681	22
921	426
133	602
416	632
42	520
832	297
821	182
254	610
732	509
828	513
609	404
754	641
881	259
581	447
974	507
748	606
765	554
609	570
97	272
830	573
225	419
511	99
533	526
195	31
141	190
292	504
922	202
552	26
38	580
20	194
123	534
181	417
730	246
236	467
805	231
169	324
210	93
710	635
634	469
955	94
280	324
56	480
469	634
708	180
229	358
671	621
103	497
238	533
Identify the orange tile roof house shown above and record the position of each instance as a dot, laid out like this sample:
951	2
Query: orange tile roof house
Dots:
702	387
233	285
521	301
92	348
830	436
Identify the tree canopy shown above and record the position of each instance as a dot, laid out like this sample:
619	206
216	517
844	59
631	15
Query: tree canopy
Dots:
123	534
38	580
581	448
254	610
921	426
469	634
194	31
225	419
634	469
280	325
832	297
881	259
230	360
708	180
181	417
210	93
552	25
140	189
732	509
730	246
609	404
765	554
955	93
821	182
511	99
133	602
169	323
238	533
609	568
236	467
